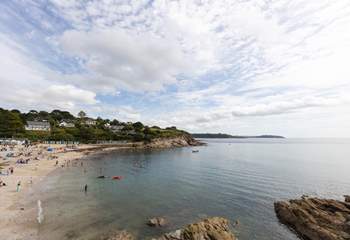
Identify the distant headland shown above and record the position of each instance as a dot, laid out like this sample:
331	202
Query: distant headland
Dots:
224	135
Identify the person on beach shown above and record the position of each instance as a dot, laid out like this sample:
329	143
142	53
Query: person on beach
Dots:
18	186
2	183
85	188
56	162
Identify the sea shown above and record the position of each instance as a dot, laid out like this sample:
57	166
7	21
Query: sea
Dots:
239	179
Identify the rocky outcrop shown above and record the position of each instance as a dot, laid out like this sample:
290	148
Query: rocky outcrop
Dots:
315	219
347	198
215	228
179	141
156	222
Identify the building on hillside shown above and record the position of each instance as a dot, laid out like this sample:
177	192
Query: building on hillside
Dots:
38	126
116	128
131	132
90	121
66	124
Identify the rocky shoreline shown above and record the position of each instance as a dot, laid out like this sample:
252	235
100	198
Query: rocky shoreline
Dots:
310	218
215	228
313	218
180	141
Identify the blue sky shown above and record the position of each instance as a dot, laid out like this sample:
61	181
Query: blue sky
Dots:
241	67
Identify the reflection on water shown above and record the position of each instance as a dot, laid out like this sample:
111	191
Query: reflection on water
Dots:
237	179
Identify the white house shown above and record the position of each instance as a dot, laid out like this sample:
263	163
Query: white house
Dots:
66	124
116	128
90	121
38	126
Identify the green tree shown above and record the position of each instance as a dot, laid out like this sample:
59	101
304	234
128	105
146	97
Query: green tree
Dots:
11	124
138	126
82	114
32	115
115	122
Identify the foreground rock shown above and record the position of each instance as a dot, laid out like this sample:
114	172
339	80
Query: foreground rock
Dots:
156	222
215	228
315	219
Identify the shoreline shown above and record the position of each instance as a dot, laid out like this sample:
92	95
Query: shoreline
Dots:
17	222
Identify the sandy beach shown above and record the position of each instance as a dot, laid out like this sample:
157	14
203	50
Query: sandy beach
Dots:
17	222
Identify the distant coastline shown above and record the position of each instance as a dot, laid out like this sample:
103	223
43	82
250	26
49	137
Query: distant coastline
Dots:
224	135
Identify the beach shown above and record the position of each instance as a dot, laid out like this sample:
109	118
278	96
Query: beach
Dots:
32	165
16	221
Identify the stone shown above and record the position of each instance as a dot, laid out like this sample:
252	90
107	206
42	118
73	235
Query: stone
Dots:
215	228
315	218
347	198
156	222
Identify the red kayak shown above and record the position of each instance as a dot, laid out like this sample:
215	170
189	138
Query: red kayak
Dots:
117	177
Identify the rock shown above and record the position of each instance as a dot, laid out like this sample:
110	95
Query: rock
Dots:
347	198
156	222
215	228
315	219
178	141
118	235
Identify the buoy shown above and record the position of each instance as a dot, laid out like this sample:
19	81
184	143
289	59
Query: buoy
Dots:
117	177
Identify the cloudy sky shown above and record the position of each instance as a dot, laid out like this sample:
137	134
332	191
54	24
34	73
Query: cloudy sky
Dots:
234	66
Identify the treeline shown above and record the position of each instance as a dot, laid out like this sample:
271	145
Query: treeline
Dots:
13	122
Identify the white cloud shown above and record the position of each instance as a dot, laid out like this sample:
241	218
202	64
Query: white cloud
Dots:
122	113
116	59
26	84
280	107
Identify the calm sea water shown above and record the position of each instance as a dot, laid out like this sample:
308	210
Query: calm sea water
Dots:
236	179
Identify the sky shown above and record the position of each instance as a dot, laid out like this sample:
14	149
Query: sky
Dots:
246	67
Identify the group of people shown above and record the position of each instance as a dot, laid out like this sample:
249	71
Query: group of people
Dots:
9	171
12	151
22	161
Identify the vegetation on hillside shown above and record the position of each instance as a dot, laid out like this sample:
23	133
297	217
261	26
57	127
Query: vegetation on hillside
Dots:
12	125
